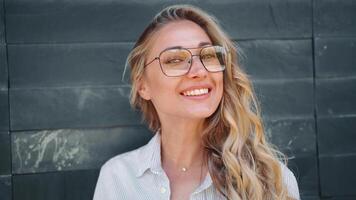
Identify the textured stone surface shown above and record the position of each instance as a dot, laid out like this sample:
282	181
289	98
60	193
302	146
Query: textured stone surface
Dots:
2	20
58	21
49	65
341	197
72	185
5	187
337	136
337	151
335	18
57	150
277	59
3	67
337	175
310	197
4	110
70	107
293	136
4	106
5	153
306	170
335	57
296	138
275	18
336	96
286	98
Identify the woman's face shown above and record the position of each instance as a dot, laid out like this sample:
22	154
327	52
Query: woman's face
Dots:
169	95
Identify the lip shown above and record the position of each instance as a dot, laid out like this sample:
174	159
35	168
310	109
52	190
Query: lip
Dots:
209	87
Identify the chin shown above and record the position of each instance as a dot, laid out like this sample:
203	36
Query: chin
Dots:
201	114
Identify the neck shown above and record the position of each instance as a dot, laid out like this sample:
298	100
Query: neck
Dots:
182	143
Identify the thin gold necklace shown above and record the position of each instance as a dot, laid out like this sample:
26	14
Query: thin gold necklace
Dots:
184	170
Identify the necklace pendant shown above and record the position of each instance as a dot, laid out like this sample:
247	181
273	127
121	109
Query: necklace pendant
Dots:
184	169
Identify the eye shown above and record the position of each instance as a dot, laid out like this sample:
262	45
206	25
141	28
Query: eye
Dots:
208	56
173	61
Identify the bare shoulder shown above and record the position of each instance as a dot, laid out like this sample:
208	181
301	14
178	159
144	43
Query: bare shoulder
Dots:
290	181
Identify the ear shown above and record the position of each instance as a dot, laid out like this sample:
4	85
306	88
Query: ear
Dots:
143	89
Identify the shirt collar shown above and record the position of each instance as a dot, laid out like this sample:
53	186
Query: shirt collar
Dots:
150	158
206	184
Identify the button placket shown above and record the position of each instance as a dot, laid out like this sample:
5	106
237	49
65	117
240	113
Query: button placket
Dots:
164	192
163	189
164	186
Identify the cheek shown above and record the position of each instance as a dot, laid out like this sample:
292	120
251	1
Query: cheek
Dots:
162	90
220	85
155	80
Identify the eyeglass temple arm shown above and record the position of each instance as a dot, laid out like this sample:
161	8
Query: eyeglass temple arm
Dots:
152	61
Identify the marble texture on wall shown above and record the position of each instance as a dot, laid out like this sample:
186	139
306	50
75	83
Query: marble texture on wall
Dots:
72	149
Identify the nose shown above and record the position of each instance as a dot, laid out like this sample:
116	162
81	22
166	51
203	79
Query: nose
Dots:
197	69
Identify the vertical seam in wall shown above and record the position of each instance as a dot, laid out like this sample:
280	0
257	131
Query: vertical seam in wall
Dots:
8	96
315	100
7	66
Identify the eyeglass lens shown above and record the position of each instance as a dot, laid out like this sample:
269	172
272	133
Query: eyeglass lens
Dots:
177	62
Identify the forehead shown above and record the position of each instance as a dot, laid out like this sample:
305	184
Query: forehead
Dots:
182	33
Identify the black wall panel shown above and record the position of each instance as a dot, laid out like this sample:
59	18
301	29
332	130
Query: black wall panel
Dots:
71	107
306	171
335	18
5	150
5	153
311	198
335	57
275	18
4	110
337	136
107	21
336	96
296	138
277	59
337	155
60	65
282	72
300	135
337	175
5	187
335	85
72	185
3	68
285	98
64	109
72	149
2	21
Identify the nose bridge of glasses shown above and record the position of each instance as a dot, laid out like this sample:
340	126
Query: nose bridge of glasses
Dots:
198	62
192	57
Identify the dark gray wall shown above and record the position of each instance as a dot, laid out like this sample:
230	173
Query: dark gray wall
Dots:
64	110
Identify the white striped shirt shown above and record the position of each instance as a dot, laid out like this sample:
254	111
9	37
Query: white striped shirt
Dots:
138	175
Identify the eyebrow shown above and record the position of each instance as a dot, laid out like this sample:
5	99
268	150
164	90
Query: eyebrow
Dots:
201	44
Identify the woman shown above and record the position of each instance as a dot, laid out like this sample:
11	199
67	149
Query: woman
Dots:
209	141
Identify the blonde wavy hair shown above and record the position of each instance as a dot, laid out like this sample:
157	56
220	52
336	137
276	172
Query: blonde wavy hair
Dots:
240	161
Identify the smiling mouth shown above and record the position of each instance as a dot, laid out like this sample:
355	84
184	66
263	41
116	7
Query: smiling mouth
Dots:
196	92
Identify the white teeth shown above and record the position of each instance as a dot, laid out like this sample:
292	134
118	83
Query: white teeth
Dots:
196	92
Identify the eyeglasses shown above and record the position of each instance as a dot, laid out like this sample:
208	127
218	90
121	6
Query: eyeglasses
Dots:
178	61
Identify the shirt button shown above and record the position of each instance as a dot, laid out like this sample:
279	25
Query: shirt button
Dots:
163	190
